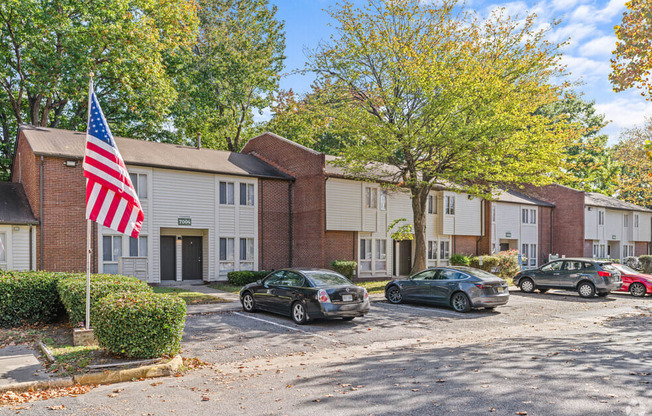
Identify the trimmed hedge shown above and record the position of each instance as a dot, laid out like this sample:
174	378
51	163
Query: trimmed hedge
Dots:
646	263
28	297
345	267
72	291
244	277
459	260
140	324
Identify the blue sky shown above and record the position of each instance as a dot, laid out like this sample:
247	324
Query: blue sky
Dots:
588	23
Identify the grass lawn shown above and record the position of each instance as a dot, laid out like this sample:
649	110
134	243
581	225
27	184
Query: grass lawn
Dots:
72	360
373	287
225	287
190	297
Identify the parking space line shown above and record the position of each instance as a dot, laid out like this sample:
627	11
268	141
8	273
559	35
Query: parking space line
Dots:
459	315
287	327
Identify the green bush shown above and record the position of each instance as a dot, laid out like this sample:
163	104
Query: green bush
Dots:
503	264
646	263
72	291
244	277
459	260
140	324
28	297
345	267
489	263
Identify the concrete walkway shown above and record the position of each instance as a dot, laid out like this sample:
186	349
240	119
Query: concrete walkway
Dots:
19	364
233	297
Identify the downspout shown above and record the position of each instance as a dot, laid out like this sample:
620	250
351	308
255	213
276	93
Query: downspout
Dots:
551	233
31	249
290	230
483	219
41	239
261	236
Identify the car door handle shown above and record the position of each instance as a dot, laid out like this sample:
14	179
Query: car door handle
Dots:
555	274
574	275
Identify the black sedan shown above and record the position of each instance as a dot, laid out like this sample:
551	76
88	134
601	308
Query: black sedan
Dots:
462	288
306	294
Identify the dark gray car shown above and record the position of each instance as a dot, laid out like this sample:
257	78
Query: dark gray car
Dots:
587	276
462	288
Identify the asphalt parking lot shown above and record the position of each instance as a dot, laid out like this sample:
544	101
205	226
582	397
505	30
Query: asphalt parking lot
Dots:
236	336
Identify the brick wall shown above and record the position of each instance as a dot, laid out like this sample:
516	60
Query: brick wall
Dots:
545	240
465	244
588	248
640	248
308	194
567	218
339	245
273	224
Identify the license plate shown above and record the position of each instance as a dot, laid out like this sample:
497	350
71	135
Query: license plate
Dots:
347	298
500	289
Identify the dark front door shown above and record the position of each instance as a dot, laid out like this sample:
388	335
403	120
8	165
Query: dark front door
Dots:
504	246
405	257
168	258
191	252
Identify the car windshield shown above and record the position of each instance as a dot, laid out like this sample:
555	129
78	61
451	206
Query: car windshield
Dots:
327	279
625	269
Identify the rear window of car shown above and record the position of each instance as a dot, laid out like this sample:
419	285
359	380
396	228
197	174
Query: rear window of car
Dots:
608	267
327	279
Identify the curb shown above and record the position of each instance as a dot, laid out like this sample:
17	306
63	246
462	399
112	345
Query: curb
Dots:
105	377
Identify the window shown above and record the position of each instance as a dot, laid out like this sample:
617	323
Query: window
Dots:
3	249
533	216
446	274
111	251
524	252
276	278
246	254
226	193
432	250
600	217
554	266
371	197
226	254
602	251
573	265
493	248
595	251
529	253
444	250
138	246
381	255
431	209
365	254
139	180
383	200
533	255
246	194
524	216
635	220
628	250
626	221
292	280
425	275
450	205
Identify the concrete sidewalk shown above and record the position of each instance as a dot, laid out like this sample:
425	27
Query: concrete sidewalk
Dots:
20	364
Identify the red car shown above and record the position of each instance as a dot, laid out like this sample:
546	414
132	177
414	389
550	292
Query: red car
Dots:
636	283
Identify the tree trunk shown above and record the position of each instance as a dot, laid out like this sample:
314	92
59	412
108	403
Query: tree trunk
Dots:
419	200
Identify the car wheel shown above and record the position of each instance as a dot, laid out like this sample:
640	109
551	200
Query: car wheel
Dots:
460	302
248	303
299	315
348	318
527	285
394	295
637	289
586	289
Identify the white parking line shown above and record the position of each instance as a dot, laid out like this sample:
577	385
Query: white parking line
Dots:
456	314
286	327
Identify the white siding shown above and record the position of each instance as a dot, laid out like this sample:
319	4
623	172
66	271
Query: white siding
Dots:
17	247
399	205
590	223
468	215
613	225
644	227
508	220
343	205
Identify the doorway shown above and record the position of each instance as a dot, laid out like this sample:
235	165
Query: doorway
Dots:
168	258
405	257
191	258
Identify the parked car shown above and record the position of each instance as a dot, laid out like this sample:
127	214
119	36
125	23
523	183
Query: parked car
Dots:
462	288
636	283
587	276
306	294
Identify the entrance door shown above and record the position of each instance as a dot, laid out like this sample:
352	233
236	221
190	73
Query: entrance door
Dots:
504	246
405	257
191	261
168	258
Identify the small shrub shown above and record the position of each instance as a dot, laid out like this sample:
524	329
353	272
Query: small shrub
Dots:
345	267
140	324
244	277
646	263
28	297
459	260
508	264
489	263
632	262
72	291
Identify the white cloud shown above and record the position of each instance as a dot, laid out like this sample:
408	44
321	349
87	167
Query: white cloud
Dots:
575	31
602	46
266	115
589	70
566	4
624	113
589	13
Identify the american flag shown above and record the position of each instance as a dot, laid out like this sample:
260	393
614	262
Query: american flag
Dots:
111	199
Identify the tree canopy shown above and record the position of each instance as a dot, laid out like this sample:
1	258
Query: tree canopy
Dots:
634	183
444	97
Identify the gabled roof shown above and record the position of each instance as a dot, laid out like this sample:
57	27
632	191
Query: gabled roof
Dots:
71	145
14	206
514	197
599	200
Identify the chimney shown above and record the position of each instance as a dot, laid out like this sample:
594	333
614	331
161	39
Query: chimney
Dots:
198	140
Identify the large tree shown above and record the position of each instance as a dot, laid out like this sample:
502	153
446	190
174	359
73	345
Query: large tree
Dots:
439	96
233	70
48	49
635	179
632	62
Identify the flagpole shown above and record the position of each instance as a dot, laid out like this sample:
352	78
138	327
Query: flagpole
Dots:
89	233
